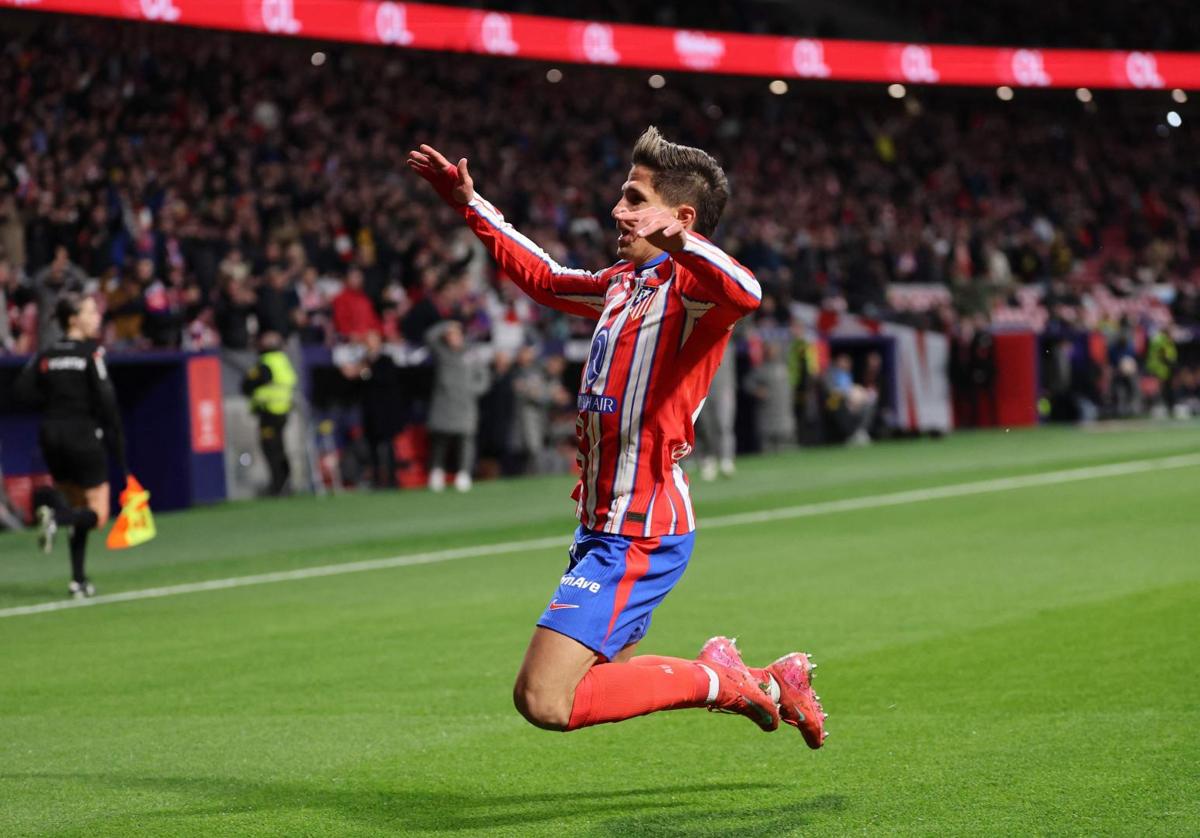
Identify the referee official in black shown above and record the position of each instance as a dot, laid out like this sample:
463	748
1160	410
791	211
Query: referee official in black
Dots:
70	383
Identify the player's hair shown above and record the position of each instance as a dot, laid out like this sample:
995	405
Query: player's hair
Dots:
684	175
68	306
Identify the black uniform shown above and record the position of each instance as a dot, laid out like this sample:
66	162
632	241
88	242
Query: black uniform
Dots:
69	381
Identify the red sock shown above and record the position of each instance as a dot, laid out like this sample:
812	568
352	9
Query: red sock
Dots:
657	660
611	692
761	675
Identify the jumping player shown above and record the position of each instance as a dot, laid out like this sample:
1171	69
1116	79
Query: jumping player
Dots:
663	315
69	381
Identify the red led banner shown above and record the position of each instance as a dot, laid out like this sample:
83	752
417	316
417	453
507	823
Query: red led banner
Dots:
424	26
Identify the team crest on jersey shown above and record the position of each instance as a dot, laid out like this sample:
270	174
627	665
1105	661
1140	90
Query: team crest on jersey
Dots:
643	298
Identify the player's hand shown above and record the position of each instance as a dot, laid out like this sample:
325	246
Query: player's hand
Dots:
452	182
657	225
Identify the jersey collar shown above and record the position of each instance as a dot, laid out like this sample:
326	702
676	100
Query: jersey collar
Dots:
653	263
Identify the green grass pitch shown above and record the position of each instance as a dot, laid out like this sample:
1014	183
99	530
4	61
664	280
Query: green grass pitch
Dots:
1015	662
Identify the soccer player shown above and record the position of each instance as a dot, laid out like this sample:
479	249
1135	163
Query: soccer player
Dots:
663	314
70	382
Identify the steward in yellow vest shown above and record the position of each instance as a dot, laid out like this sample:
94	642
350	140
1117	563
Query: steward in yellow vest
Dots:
270	384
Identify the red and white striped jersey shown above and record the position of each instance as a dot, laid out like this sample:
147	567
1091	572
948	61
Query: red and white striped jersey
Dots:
661	331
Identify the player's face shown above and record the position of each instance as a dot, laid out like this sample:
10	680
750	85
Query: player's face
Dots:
637	193
88	318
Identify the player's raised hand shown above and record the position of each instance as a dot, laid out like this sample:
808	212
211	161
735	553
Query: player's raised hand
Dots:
657	225
452	182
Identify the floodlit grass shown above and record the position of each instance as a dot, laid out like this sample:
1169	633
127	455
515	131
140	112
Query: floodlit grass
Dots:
1019	662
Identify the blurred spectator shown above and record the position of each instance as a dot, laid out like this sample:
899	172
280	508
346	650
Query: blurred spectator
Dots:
1187	392
1122	358
851	406
1161	358
48	284
353	313
561	441
314	310
1057	376
716	443
383	408
497	410
460	378
771	384
163	305
234	309
12	231
125	310
537	392
8	341
277	306
443	301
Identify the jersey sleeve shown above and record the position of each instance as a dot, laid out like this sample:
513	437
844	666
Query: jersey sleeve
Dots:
713	276
570	290
108	414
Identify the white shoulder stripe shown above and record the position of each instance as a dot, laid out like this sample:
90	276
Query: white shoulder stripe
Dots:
721	261
494	217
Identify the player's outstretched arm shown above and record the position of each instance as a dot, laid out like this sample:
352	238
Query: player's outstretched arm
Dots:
453	182
533	269
719	276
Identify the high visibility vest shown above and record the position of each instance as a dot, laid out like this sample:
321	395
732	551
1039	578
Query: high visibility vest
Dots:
1161	356
276	395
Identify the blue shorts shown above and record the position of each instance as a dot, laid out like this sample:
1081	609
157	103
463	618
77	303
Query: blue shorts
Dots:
612	584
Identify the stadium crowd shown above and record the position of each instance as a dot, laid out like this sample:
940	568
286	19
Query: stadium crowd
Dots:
210	189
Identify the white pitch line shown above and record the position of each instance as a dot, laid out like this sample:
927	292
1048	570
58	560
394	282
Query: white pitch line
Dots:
955	490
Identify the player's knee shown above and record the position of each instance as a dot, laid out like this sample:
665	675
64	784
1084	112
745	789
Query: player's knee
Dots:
542	708
101	518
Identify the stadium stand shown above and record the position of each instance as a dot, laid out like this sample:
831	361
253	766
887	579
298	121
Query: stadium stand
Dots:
214	186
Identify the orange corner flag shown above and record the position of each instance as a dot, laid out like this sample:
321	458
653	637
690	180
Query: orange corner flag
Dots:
135	524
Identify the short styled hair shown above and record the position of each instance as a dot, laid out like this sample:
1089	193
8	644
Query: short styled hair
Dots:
66	307
684	175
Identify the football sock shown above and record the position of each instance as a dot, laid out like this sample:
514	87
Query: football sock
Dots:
78	542
654	660
611	692
764	676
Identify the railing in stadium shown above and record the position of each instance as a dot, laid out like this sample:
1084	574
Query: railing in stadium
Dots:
425	26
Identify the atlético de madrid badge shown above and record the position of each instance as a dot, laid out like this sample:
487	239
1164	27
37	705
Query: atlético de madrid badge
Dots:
643	298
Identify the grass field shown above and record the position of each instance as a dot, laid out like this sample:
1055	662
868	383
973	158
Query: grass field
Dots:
1005	662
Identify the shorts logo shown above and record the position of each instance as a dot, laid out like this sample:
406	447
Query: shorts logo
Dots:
570	581
590	403
555	605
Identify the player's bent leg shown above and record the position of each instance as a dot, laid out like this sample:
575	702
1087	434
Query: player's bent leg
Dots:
97	499
553	667
626	654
